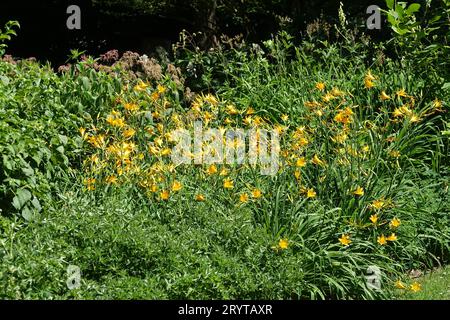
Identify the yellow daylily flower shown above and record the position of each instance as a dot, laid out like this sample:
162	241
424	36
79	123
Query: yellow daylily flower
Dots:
199	198
320	86
243	197
165	195
316	160
256	193
228	184
416	287
374	218
283	244
311	193
392	237
177	186
345	240
359	191
212	169
384	96
395	223
382	240
301	162
400	285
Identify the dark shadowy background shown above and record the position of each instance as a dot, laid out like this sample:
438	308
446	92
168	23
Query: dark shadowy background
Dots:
143	25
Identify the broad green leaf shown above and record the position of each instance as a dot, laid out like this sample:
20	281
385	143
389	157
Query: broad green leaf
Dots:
400	10
390	4
7	163
38	158
435	18
86	83
414	7
28	171
63	139
22	197
27	214
12	23
392	17
4	79
400	31
36	204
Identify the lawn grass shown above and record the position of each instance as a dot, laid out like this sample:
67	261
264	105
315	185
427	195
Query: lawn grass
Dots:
435	286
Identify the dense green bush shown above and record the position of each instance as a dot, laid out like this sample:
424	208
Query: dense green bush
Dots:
421	38
41	112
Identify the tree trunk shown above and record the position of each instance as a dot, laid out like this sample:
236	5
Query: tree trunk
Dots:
210	25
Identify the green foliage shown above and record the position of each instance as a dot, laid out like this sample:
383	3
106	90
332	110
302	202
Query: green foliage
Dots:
130	243
6	35
215	254
421	35
39	114
278	79
402	17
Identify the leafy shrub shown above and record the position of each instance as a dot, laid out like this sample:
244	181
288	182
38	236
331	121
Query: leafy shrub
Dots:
40	113
421	33
6	35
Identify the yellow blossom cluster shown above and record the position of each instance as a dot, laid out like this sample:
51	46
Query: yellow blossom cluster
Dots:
329	142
